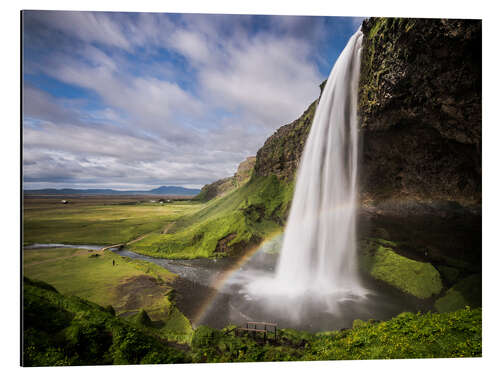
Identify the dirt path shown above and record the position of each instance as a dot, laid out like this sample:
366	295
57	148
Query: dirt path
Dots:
142	236
167	227
138	238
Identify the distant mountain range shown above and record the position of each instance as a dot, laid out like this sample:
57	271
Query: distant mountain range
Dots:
162	190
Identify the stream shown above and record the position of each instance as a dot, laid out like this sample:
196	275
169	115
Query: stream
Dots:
214	292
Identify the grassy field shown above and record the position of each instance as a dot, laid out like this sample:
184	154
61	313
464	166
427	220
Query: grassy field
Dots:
98	220
128	285
181	229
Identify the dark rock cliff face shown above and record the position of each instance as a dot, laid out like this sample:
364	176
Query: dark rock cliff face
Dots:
281	152
420	109
420	124
420	120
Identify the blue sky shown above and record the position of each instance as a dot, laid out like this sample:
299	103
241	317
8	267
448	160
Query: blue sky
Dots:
138	100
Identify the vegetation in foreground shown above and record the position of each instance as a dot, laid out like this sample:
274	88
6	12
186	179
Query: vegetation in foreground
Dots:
430	335
67	330
105	278
64	330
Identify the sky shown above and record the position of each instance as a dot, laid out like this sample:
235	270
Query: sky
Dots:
139	100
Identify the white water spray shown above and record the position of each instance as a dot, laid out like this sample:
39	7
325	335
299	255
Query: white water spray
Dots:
319	249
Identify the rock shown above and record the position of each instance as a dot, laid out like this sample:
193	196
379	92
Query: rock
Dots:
223	243
223	186
244	171
216	189
280	154
420	109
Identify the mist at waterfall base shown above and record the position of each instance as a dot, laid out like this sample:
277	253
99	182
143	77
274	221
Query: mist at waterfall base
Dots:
314	284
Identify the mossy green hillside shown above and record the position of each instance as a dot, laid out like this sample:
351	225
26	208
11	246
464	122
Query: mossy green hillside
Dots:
61	330
236	220
379	260
467	292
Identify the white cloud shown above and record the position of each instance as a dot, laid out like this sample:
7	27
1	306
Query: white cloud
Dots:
88	26
149	127
267	79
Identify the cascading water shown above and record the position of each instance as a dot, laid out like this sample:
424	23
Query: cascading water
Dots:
318	255
319	248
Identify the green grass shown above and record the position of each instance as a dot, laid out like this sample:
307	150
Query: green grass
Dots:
174	325
466	292
408	335
64	330
67	330
94	279
410	276
48	221
249	213
36	256
73	272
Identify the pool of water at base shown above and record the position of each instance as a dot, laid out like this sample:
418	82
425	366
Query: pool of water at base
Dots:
213	292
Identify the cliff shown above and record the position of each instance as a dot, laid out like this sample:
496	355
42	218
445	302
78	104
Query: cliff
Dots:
420	128
280	154
420	109
225	185
419	112
420	124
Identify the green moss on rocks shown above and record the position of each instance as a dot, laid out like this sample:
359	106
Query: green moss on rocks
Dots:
419	279
466	292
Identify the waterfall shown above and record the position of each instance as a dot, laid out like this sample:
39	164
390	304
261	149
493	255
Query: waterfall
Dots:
319	248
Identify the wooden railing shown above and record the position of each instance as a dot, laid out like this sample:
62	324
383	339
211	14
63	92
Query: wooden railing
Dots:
255	328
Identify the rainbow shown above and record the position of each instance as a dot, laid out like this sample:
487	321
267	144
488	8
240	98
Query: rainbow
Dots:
219	282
